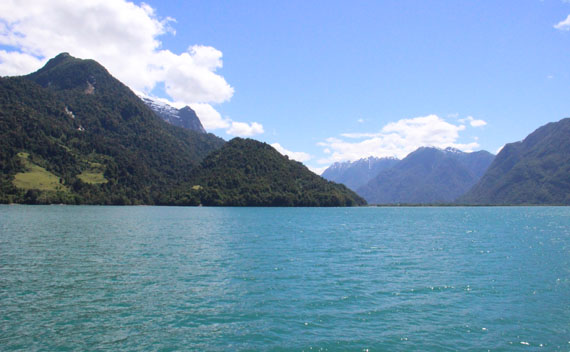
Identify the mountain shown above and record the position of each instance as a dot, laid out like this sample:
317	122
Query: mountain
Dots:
248	172
358	173
185	117
534	171
427	175
72	133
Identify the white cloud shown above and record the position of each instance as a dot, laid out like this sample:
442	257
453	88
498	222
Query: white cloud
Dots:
360	120
210	117
299	156
499	149
191	77
317	170
123	37
397	139
477	123
243	129
15	63
563	25
473	122
360	135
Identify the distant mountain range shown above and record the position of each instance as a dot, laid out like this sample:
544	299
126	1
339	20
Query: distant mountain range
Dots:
357	173
534	171
428	175
71	133
185	117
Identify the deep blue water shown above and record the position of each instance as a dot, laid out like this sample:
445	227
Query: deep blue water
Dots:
377	279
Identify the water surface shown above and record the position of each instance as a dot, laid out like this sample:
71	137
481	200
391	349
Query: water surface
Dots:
377	279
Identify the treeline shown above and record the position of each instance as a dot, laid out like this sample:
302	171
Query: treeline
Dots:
246	172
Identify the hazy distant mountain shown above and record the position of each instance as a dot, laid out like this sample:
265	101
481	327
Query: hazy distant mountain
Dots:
428	175
357	173
534	171
185	117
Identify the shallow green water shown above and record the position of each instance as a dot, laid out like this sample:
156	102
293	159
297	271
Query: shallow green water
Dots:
382	279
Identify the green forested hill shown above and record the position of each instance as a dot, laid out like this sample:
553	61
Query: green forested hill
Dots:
534	171
71	133
248	172
71	121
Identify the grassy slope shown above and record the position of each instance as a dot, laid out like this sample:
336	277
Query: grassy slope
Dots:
36	177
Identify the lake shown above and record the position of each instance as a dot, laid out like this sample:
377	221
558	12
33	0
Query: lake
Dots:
286	279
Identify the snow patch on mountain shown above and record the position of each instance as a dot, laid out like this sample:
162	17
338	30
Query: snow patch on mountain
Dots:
184	117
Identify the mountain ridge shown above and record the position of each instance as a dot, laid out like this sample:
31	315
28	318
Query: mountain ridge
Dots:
533	171
426	176
357	173
77	123
72	133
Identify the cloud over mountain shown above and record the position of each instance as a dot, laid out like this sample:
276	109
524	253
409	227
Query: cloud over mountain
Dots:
299	156
397	139
122	36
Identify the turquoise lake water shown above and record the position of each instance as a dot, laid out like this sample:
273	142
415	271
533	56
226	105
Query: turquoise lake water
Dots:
286	279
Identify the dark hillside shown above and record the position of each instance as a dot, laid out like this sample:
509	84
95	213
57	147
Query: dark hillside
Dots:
248	172
82	126
535	171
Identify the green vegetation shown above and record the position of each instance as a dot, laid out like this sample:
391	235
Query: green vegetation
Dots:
71	133
246	172
93	175
105	147
535	171
36	177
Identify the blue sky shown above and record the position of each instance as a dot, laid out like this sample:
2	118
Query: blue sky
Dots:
336	80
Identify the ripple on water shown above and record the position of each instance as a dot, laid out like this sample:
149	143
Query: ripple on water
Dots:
150	278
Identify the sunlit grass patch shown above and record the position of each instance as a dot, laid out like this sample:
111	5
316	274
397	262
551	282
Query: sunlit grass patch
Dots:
92	177
36	177
94	174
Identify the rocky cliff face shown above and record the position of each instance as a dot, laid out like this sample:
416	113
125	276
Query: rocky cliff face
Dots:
185	117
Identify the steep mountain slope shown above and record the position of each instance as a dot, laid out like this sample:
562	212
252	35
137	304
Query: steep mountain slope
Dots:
185	117
248	172
358	173
534	171
72	121
428	175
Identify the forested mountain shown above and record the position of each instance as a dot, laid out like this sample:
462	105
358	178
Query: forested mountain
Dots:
72	133
534	171
428	175
358	173
248	172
